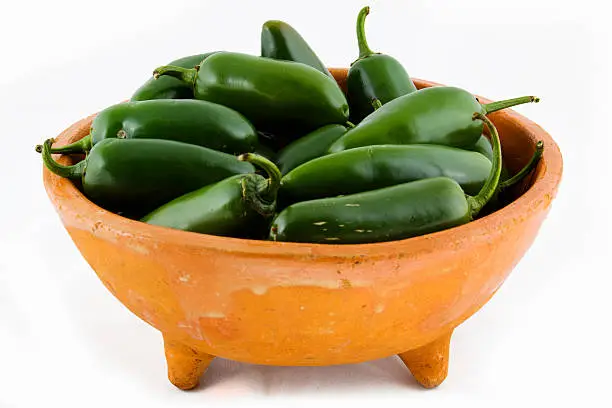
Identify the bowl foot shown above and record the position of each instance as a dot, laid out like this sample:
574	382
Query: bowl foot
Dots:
429	363
185	365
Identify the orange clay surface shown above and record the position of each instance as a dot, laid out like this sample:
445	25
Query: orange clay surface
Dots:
311	304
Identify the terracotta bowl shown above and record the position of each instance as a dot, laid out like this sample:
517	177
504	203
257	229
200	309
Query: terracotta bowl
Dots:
310	304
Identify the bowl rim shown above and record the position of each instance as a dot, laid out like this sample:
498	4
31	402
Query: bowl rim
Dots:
67	198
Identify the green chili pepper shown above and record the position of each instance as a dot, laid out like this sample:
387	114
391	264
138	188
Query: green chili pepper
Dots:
436	115
483	146
282	42
373	167
373	75
137	176
170	88
309	147
280	97
391	213
195	122
237	206
503	196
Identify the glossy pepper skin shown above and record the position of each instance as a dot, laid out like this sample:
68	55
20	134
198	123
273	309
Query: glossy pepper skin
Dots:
136	176
437	115
311	146
280	97
170	88
373	76
391	213
189	121
235	207
282	42
373	167
484	147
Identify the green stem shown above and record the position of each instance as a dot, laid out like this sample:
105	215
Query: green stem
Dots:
80	146
274	174
74	172
349	125
489	188
376	104
535	159
364	49
186	75
508	103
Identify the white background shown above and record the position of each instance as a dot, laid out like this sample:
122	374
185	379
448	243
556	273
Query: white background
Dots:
543	338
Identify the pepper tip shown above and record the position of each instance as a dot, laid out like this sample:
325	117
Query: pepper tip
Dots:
244	157
38	148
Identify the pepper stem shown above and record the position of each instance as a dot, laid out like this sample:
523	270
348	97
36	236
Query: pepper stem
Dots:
535	159
489	188
349	125
508	103
80	146
273	173
376	103
74	172
364	48
186	75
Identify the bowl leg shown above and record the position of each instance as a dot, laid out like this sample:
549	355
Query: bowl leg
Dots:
429	363
185	365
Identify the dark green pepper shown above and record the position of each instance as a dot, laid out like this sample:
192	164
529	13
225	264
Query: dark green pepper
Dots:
138	175
391	213
282	42
280	97
199	123
436	115
373	167
170	88
235	207
484	147
373	76
311	146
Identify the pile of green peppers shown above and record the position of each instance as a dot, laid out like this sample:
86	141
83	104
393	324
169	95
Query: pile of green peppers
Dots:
270	147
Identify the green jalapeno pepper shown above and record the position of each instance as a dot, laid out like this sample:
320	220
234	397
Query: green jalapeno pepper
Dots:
282	42
391	213
237	206
195	122
373	75
280	97
373	167
311	146
483	146
136	176
170	88
436	115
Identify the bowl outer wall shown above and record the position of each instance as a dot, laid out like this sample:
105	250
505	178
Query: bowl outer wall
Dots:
310	304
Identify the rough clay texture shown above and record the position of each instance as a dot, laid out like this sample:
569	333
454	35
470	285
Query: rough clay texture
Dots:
305	304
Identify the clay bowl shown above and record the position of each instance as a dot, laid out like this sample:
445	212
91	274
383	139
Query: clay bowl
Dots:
310	304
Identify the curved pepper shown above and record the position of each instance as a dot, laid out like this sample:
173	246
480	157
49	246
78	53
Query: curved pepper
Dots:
137	176
195	122
282	42
170	88
236	207
436	115
311	146
391	213
373	76
373	167
280	97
